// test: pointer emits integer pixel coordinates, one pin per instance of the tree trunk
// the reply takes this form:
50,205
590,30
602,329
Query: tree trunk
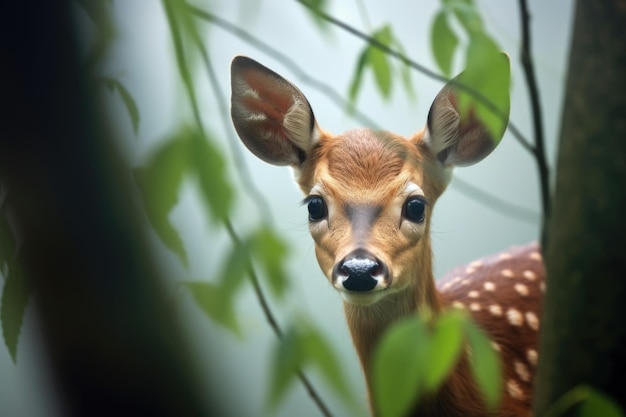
583,336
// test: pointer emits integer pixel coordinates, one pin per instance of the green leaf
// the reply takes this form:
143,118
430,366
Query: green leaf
234,270
14,300
598,404
320,354
444,43
488,74
405,70
468,15
210,168
316,7
213,302
287,360
379,61
271,251
357,78
396,372
382,72
160,181
133,111
590,401
485,365
445,347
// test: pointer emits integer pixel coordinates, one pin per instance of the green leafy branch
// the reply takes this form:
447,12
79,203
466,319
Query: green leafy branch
481,51
262,247
588,401
489,200
416,355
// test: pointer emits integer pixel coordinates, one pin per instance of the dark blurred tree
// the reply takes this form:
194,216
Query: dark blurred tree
112,340
583,337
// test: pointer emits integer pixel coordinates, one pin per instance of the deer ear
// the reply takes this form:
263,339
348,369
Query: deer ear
453,139
271,116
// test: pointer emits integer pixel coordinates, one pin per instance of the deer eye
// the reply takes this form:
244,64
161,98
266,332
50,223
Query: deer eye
415,209
317,208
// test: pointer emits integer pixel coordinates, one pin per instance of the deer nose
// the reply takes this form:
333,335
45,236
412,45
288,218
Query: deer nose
360,271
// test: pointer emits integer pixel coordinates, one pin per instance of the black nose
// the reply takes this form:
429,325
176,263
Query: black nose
360,271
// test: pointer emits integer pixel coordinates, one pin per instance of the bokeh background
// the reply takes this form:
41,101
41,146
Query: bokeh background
466,225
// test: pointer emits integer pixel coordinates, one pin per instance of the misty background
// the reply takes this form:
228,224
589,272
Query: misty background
464,227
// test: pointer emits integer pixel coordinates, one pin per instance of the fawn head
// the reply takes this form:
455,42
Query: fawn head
369,194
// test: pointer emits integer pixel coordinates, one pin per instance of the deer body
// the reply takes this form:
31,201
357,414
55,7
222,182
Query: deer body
370,196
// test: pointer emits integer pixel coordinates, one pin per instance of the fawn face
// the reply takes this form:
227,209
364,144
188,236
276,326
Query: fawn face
369,194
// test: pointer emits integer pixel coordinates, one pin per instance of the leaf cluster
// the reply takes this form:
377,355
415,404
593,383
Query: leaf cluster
416,355
485,82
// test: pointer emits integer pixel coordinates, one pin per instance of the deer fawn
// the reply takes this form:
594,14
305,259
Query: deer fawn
370,196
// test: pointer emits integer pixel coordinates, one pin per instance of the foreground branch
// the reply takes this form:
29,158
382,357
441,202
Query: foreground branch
517,134
533,91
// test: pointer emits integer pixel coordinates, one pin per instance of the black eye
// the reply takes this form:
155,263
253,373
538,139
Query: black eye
317,208
415,209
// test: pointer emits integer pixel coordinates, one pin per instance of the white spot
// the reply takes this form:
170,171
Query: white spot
514,390
466,281
446,285
515,317
476,264
474,307
522,371
505,255
496,346
532,356
469,270
489,286
507,273
521,289
458,304
542,286
456,279
533,321
535,256
529,275
473,294
495,309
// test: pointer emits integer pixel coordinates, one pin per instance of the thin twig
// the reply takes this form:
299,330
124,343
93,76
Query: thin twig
269,316
322,87
242,167
533,91
424,70
271,319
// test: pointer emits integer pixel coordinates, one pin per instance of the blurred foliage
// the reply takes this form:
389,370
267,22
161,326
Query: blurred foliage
378,61
128,100
416,355
485,82
587,401
15,292
303,347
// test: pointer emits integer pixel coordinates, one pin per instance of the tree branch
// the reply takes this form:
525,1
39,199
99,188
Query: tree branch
533,91
256,195
517,134
489,200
